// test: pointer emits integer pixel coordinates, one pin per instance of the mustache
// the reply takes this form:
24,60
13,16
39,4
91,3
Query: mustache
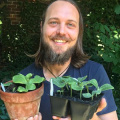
59,37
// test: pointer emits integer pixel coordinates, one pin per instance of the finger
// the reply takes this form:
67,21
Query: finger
68,118
102,105
56,118
36,117
31,118
40,116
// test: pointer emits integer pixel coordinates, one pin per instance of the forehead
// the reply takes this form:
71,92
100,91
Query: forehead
62,9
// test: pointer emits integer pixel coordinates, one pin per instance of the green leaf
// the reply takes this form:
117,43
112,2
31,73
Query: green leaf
77,87
19,79
85,83
107,58
106,87
60,91
116,69
7,84
14,89
28,76
80,79
93,82
59,82
30,87
97,26
0,22
69,80
22,89
96,92
117,9
37,79
106,28
102,28
115,61
87,95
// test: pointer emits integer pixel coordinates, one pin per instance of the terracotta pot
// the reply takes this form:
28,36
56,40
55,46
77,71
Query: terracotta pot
22,105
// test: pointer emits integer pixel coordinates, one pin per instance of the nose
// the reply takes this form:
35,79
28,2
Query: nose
61,29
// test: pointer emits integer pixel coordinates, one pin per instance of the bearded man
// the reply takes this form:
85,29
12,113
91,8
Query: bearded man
60,53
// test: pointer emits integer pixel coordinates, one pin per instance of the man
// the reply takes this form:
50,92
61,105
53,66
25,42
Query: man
60,53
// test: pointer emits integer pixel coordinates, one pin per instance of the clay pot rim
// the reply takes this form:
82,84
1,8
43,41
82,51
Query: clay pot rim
30,92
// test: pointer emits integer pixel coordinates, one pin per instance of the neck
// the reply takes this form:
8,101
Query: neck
52,71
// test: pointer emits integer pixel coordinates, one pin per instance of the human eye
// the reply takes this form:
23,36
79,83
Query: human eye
71,25
53,23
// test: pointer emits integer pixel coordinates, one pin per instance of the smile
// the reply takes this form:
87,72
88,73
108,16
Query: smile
60,41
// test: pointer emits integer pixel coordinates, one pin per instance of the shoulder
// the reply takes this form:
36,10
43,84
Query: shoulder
91,67
90,64
96,71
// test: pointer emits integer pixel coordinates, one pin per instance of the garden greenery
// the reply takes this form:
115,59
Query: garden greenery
0,27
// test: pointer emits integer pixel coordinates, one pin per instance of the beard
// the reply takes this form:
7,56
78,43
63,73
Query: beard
52,57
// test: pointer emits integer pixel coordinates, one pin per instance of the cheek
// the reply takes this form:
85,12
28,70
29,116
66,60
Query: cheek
73,35
48,31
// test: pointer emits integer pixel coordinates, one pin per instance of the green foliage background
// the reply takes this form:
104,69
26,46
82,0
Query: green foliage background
101,39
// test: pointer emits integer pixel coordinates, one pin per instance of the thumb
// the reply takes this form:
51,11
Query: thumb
102,105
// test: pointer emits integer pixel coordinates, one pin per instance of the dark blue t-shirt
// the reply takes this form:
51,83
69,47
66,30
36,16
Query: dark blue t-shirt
92,69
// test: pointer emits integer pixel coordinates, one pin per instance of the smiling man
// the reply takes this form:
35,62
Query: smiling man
60,53
60,32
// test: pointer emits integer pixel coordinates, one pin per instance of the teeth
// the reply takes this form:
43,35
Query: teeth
60,41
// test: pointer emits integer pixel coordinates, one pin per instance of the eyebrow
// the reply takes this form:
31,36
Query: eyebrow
54,18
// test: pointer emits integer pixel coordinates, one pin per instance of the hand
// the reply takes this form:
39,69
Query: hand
102,105
58,118
36,117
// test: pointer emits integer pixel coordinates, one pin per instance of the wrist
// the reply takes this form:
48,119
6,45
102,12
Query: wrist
95,117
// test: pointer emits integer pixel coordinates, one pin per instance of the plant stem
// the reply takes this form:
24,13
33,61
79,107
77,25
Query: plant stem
70,91
92,97
67,87
87,89
80,94
62,93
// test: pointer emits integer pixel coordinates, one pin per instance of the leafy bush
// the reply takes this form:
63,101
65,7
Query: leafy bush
24,37
108,38
3,113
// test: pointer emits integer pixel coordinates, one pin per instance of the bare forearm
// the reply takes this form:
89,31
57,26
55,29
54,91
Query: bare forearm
95,117
108,116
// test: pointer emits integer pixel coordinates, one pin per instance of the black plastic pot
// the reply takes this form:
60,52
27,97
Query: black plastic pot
84,110
59,106
78,109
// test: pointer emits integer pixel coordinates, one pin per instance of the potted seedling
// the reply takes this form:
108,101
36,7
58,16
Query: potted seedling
81,101
22,95
59,102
